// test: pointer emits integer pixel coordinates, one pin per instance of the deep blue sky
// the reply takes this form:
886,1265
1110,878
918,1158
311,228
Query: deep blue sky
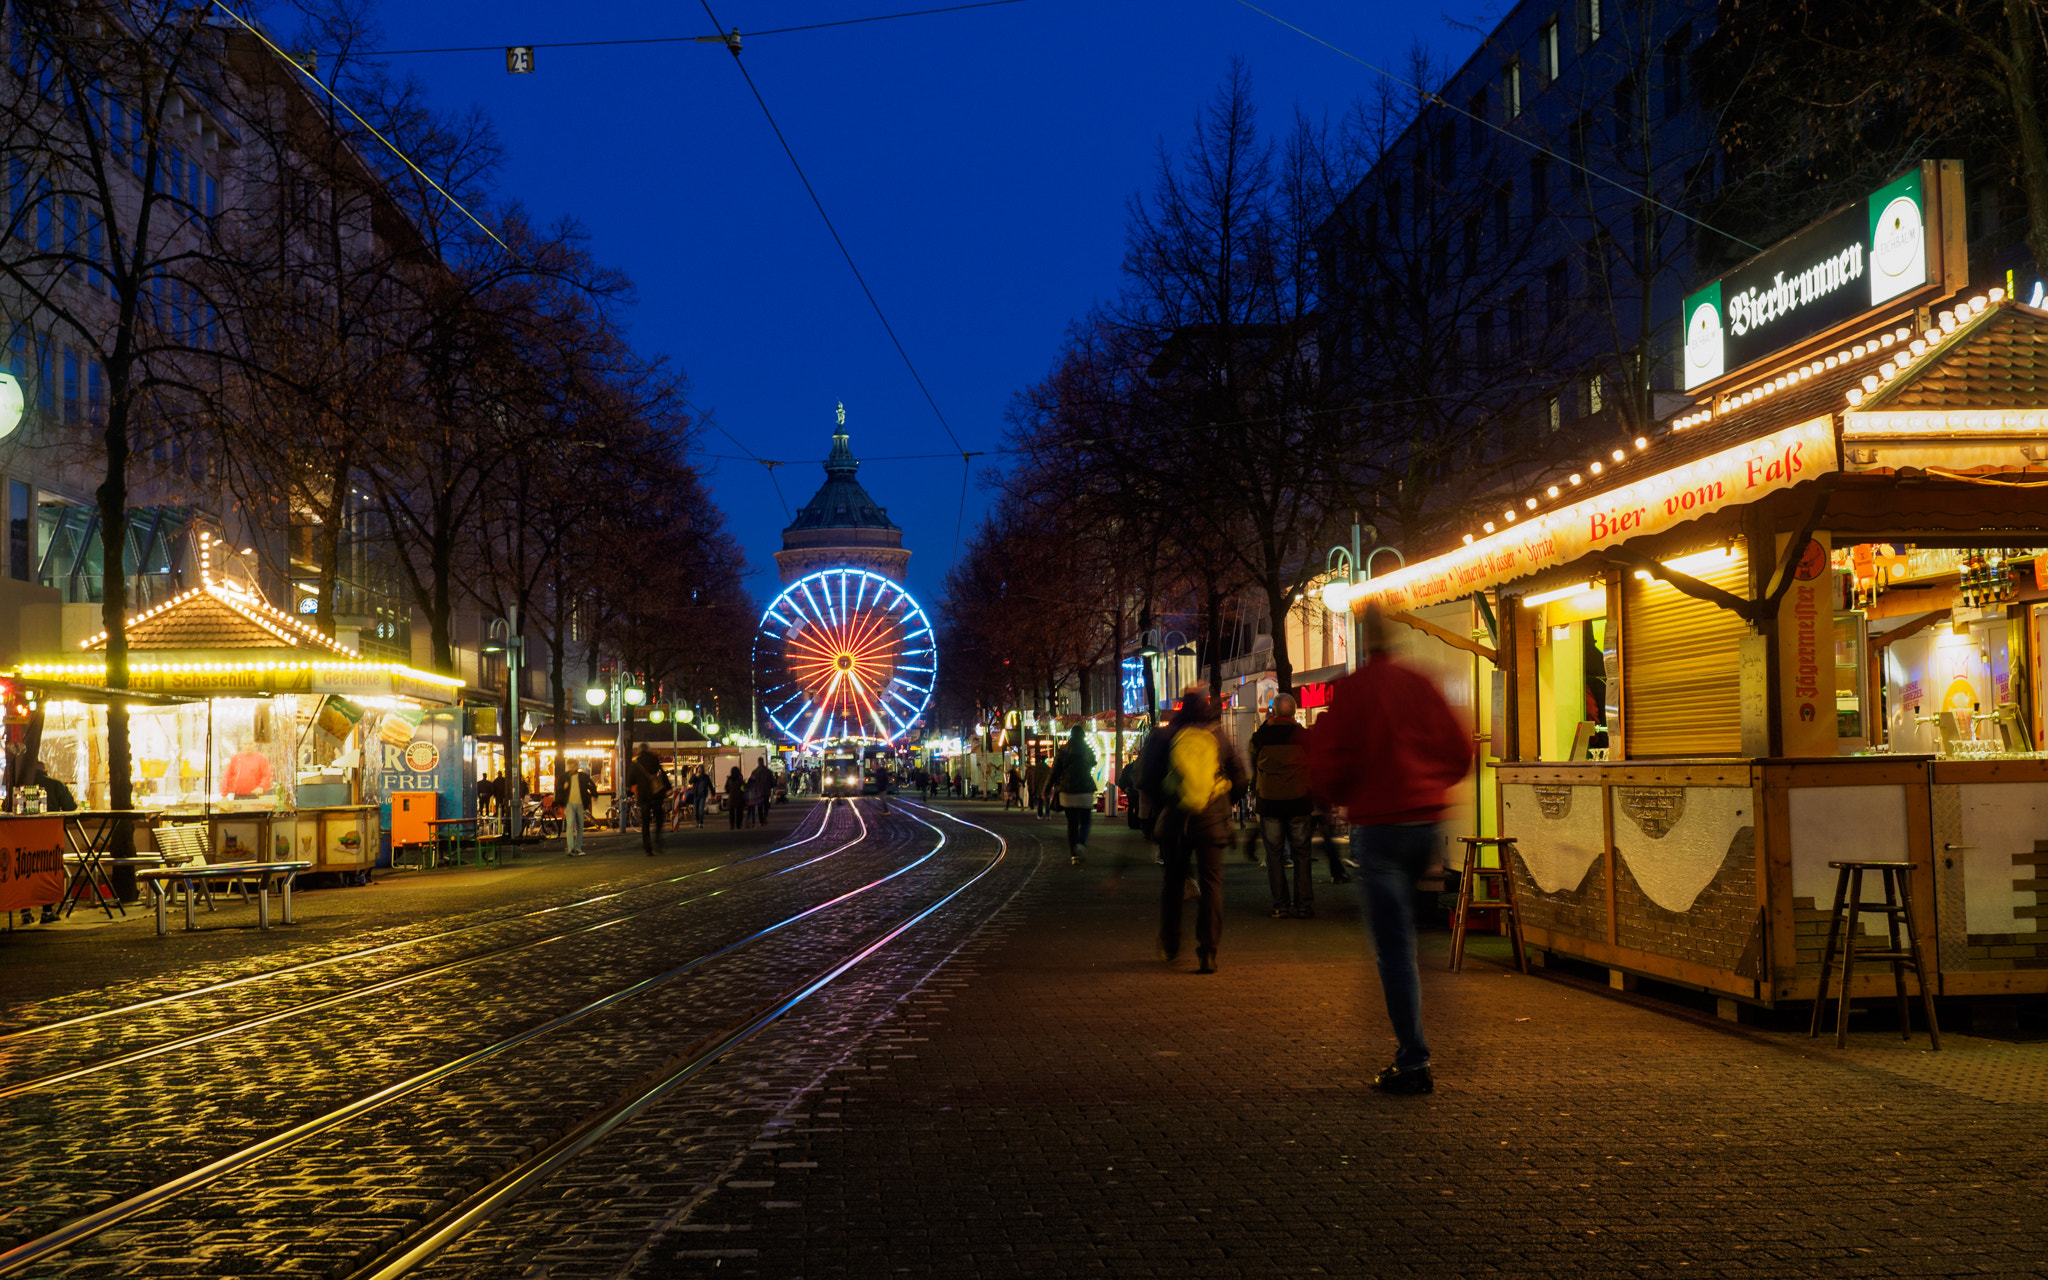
977,164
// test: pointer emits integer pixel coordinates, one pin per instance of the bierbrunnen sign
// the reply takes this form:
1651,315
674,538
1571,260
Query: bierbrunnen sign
1875,252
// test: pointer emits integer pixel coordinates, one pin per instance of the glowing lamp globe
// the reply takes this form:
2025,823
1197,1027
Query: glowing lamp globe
711,728
634,697
686,715
656,716
594,696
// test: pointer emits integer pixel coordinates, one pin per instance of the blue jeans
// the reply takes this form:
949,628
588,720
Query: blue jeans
1390,860
1078,820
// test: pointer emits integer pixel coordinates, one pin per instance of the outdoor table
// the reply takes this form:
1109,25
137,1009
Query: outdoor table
92,847
159,880
453,832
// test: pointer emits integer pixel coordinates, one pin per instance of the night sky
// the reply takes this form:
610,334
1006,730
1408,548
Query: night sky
978,165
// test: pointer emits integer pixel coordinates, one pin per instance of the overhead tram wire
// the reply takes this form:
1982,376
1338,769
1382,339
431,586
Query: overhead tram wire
1439,100
339,101
853,266
744,35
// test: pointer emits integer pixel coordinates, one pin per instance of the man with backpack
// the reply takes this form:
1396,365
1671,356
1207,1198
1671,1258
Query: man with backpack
650,786
1280,780
1202,774
1389,750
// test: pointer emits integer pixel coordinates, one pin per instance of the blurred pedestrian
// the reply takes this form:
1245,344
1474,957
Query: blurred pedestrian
1041,785
760,789
1389,750
650,784
1013,789
1202,776
575,797
1280,777
735,797
1073,779
700,793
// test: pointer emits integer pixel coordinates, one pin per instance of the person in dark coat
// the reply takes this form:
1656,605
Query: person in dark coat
1073,781
735,797
1280,780
650,787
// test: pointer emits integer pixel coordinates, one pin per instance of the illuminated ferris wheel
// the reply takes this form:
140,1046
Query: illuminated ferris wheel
844,653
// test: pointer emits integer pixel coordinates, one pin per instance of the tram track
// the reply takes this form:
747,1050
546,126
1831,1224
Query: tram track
480,1205
77,1231
55,1079
229,984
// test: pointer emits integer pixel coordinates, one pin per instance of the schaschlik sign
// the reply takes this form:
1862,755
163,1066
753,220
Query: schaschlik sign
1857,258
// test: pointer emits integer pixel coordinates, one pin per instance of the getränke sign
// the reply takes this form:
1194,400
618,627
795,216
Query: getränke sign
1732,477
1857,258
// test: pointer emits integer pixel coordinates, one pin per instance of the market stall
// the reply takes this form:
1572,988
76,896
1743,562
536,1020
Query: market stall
284,743
1800,623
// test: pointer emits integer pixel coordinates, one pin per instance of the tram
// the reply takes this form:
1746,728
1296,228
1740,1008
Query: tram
841,773
877,758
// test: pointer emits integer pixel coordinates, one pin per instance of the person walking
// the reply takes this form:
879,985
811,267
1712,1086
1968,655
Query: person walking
577,793
1203,771
1073,778
1041,785
700,793
760,790
735,797
1389,750
884,784
1013,787
1280,778
650,786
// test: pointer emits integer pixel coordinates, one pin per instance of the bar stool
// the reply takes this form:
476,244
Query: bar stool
1897,908
1503,902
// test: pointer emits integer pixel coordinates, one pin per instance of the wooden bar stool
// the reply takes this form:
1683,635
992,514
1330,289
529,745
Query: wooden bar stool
1897,909
1503,902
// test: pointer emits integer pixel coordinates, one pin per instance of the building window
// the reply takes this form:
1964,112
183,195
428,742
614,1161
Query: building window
1511,89
1554,408
1539,186
1589,22
1556,293
1475,123
1547,60
1646,239
45,217
1674,70
1624,115
1439,264
21,517
1503,209
70,386
1484,344
1596,389
1580,127
1472,245
1393,208
1518,322
96,393
1447,149
46,383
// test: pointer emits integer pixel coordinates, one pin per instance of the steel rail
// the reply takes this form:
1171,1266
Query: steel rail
509,1186
72,1233
352,994
266,974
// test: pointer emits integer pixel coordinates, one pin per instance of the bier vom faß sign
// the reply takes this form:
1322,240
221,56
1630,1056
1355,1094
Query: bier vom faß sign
1856,258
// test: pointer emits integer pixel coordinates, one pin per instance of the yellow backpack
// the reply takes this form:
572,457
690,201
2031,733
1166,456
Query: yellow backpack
1192,772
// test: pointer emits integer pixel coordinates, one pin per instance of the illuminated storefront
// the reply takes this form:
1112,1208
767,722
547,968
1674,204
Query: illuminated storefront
1801,622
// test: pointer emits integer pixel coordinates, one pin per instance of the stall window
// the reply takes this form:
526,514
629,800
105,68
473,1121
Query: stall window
1682,660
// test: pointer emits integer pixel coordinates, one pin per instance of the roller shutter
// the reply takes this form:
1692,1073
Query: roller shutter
1680,666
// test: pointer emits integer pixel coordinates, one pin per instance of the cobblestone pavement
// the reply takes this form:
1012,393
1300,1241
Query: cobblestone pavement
1017,1087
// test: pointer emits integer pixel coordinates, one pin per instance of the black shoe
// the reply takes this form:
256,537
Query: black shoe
1413,1080
1206,958
1280,911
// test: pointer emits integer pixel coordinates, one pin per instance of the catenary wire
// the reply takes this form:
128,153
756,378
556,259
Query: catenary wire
1439,100
339,101
744,35
836,239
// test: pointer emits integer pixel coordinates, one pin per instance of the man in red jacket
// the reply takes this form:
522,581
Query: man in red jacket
1388,750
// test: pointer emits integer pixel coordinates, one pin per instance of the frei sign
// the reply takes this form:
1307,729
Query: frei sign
1857,258
1732,477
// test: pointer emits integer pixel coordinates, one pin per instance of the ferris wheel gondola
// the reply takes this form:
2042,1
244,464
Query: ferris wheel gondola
844,653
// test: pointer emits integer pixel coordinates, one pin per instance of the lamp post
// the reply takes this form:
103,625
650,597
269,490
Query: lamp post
504,635
1339,592
621,696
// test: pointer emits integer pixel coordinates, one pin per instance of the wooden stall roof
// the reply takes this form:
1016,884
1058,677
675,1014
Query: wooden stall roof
1996,360
218,615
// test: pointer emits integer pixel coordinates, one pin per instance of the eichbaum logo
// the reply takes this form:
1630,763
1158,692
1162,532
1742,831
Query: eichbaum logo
1898,249
1704,356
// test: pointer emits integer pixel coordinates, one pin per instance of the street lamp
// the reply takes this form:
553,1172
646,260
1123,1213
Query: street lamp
595,696
634,695
1340,591
504,635
656,716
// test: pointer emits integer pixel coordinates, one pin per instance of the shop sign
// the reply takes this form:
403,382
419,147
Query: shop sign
1856,259
31,863
1730,478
